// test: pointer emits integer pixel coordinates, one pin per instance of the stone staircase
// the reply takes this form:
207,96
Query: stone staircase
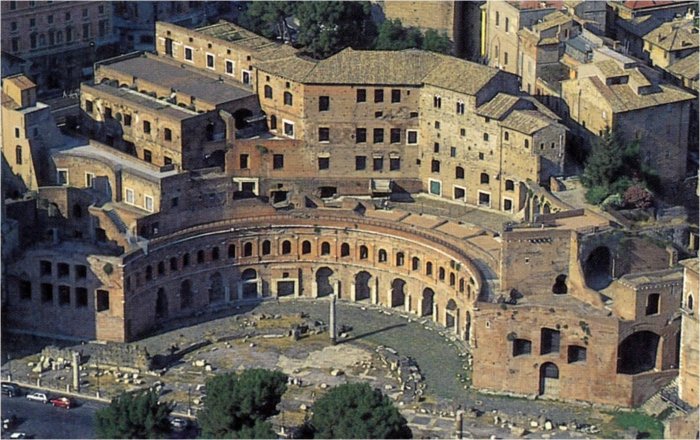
116,220
666,400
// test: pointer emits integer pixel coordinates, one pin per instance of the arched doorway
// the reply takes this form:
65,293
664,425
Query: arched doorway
323,282
426,303
362,290
216,288
597,268
398,296
249,284
549,379
161,304
637,353
451,315
240,117
185,294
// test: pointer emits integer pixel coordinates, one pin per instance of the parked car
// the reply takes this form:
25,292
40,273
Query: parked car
10,390
38,397
18,435
9,422
62,402
178,424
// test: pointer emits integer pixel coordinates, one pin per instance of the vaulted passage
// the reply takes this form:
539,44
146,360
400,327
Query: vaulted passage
249,284
637,353
398,296
451,315
186,294
216,288
362,290
161,304
323,282
426,304
597,268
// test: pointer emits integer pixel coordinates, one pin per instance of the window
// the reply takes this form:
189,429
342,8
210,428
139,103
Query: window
521,347
360,163
411,137
484,199
364,252
46,292
360,135
652,304
80,271
81,297
88,106
382,256
437,125
394,163
68,16
324,103
486,137
441,274
453,152
286,247
268,92
378,135
277,161
378,163
429,268
400,259
306,247
510,185
462,132
289,129
127,120
505,136
437,101
32,22
245,74
378,95
17,132
243,161
395,95
415,263
435,166
168,134
324,134
460,108
210,61
435,187
148,203
459,193
229,68
102,300
147,156
507,205
130,196
266,247
146,127
325,248
18,155
361,95
49,19
484,178
188,53
576,353
549,341
45,267
62,177
459,173
63,270
395,135
324,163
86,31
288,99
248,249
232,251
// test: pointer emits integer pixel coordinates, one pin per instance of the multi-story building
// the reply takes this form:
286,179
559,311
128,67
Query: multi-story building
629,99
672,41
59,39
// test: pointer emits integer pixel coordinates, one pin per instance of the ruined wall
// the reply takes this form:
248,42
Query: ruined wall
690,343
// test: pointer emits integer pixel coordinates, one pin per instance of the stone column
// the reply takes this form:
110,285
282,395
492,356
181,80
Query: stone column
76,371
373,291
331,321
227,292
353,292
407,303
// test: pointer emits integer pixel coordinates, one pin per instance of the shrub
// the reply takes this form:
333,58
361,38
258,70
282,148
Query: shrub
638,197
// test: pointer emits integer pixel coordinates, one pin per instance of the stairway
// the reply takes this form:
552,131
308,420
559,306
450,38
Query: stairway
666,400
116,220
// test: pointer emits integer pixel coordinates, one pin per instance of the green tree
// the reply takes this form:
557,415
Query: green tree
393,36
357,411
134,415
268,18
436,42
326,28
237,405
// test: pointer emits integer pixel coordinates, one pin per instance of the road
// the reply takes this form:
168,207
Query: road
45,421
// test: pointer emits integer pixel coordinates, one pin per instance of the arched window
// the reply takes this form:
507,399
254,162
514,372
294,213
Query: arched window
400,259
186,260
452,279
461,285
428,268
364,252
273,122
232,251
325,248
266,247
248,249
484,178
215,253
382,256
415,263
690,302
286,247
268,92
306,247
459,173
173,263
344,250
288,99
18,155
441,274
510,185
200,256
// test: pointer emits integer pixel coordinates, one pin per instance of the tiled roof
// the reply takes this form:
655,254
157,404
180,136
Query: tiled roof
526,121
556,18
638,26
498,106
21,81
405,67
687,67
622,97
265,49
644,4
675,35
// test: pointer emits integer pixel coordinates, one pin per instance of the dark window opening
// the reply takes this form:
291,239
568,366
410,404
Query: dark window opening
232,251
325,248
45,267
81,297
63,295
653,304
25,290
576,353
248,249
549,341
559,287
200,256
278,161
324,103
360,163
360,135
522,347
306,247
361,95
379,95
46,292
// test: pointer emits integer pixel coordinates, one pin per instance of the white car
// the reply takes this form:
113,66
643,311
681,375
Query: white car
39,397
18,435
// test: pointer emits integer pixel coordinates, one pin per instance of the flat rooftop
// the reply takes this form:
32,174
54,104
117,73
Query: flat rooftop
187,80
163,107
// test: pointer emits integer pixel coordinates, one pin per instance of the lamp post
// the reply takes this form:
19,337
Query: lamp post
189,400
